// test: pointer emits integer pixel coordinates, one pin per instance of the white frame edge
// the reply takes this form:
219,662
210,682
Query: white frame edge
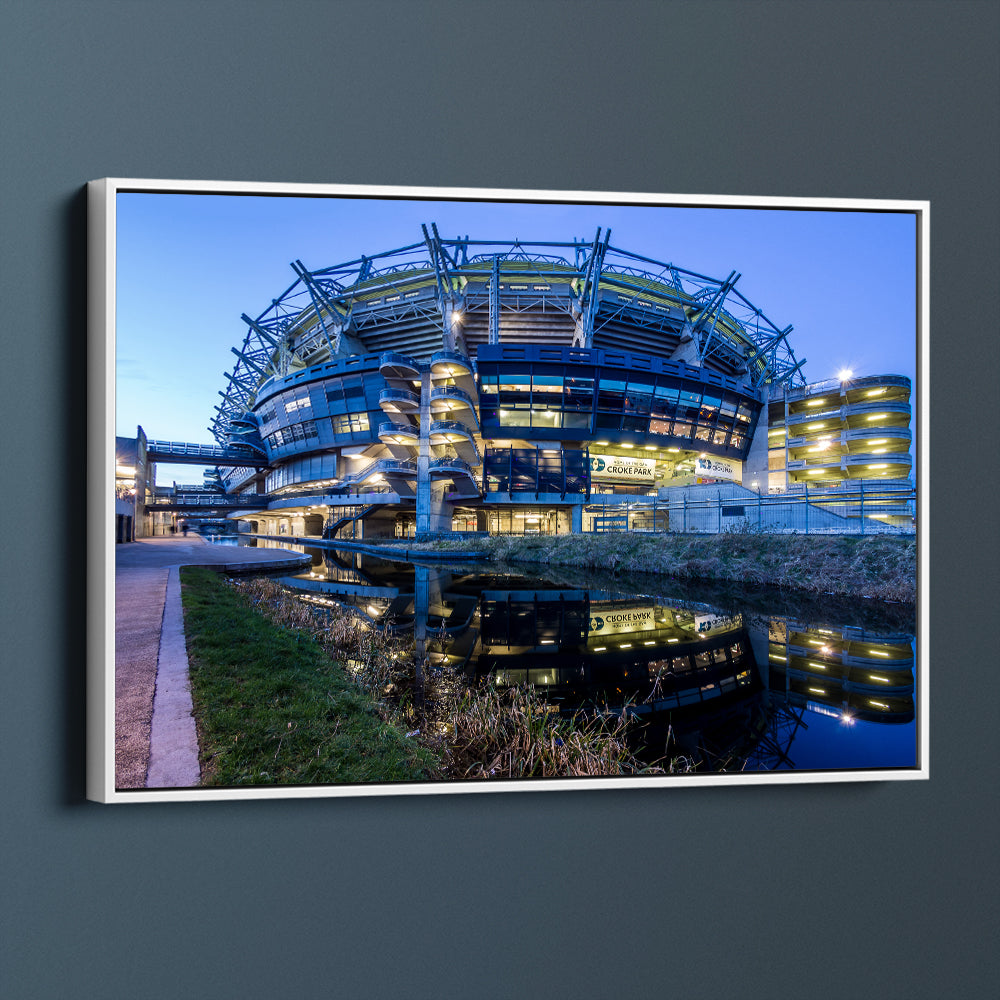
101,244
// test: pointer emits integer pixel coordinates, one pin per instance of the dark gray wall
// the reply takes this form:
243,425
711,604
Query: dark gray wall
879,890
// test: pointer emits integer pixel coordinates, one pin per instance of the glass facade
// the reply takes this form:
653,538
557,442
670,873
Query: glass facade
530,470
330,409
552,402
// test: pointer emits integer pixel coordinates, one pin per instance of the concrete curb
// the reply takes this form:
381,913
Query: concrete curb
173,738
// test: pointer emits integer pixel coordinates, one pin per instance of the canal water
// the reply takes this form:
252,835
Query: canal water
730,680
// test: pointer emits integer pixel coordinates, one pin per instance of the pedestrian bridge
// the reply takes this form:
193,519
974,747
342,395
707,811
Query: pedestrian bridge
187,453
195,499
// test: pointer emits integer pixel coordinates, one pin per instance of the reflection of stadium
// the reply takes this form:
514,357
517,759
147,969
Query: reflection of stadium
734,693
461,385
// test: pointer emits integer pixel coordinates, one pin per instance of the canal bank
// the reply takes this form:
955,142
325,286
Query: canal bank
152,713
878,568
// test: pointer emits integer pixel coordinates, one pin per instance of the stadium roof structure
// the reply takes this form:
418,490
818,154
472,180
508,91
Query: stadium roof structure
587,294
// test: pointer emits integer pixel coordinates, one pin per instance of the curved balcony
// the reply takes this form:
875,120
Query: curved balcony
398,474
450,364
399,401
392,433
451,399
460,473
393,365
451,432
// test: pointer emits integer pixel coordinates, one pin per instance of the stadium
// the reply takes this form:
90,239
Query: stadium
534,387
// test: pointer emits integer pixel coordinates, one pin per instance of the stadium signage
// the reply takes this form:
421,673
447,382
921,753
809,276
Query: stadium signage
718,468
629,620
636,470
706,623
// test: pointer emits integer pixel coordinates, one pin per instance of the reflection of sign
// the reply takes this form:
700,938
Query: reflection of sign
631,620
705,623
718,468
614,467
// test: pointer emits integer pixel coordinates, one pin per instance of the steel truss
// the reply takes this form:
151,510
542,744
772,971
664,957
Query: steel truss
333,308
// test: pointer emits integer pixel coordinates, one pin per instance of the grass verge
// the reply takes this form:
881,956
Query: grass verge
474,731
271,707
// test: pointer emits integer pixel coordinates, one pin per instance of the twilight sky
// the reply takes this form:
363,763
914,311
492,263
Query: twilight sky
189,265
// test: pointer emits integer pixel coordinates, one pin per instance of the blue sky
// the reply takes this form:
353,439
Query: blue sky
189,265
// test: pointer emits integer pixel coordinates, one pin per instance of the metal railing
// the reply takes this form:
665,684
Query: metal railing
390,427
858,511
381,465
208,500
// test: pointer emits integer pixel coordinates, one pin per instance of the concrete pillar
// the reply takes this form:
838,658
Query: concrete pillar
424,458
755,466
576,525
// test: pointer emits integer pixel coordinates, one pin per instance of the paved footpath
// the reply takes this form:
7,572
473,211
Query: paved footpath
155,741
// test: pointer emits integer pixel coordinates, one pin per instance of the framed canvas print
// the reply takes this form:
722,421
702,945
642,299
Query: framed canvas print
411,490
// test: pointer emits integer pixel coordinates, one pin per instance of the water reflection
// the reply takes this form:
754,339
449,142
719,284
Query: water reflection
732,686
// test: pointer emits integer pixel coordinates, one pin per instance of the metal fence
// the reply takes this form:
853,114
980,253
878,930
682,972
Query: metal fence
856,511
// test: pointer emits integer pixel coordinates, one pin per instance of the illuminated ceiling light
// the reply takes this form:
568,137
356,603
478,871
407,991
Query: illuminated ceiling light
818,666
813,427
625,645
548,642
879,451
628,445
673,450
845,374
600,649
650,447
816,402
878,652
878,416
673,640
877,704
883,465
817,691
815,472
456,317
879,678
602,444
875,392
879,441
